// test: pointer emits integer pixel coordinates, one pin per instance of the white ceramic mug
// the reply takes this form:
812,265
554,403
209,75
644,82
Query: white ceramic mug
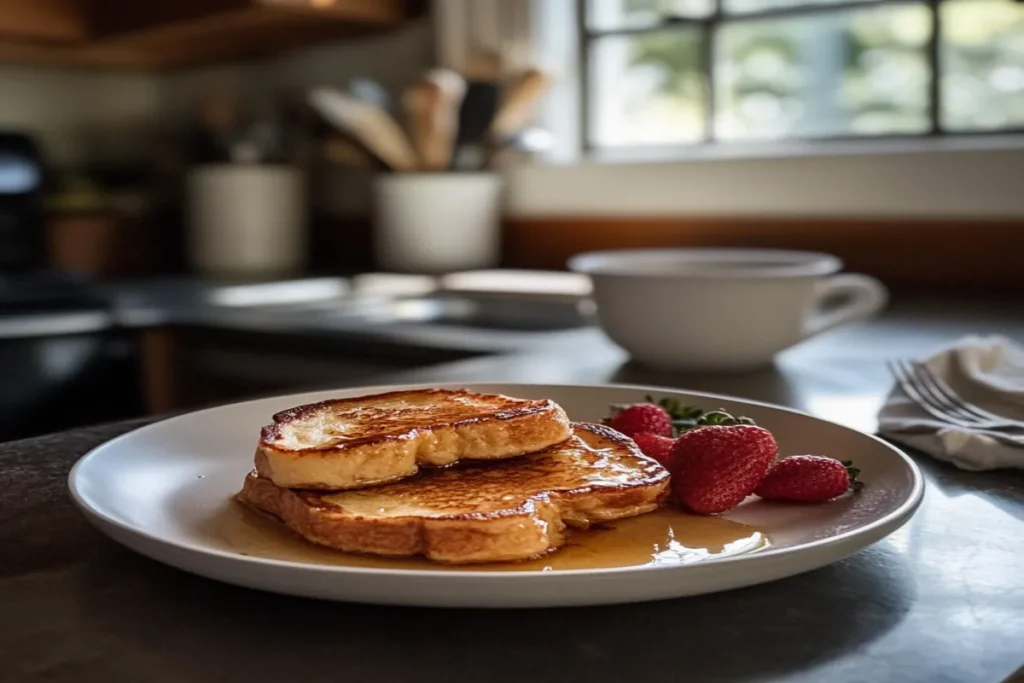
437,222
722,309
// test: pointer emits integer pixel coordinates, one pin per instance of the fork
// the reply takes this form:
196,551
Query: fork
935,397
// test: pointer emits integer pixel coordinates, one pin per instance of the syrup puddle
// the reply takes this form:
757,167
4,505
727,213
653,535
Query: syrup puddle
664,537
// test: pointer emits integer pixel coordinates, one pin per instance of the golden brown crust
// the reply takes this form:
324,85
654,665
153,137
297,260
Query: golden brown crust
438,409
511,510
371,440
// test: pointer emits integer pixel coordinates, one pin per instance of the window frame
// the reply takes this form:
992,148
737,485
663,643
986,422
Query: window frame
708,27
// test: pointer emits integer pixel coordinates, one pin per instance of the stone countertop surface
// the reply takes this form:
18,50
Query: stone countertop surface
942,599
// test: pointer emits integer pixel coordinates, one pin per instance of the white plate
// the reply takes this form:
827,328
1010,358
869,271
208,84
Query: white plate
162,489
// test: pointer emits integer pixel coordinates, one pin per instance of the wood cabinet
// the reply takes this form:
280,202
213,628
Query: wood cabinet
157,34
44,20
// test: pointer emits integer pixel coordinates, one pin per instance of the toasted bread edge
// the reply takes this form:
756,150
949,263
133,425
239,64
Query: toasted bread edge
378,460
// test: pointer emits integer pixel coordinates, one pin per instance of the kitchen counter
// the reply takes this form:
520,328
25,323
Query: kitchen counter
942,599
315,307
305,307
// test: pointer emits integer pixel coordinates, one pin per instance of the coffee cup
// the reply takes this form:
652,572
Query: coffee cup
722,309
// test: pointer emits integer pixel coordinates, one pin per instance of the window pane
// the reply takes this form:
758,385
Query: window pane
862,72
982,64
647,88
612,14
744,6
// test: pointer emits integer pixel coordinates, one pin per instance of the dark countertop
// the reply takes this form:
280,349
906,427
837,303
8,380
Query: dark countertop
315,307
942,599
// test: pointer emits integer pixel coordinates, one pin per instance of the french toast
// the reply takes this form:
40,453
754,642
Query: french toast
511,510
357,442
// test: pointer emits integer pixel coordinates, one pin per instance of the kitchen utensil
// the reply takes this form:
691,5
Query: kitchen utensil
438,154
988,372
421,101
477,111
190,466
367,123
938,399
438,222
432,106
342,150
722,309
517,103
371,92
483,74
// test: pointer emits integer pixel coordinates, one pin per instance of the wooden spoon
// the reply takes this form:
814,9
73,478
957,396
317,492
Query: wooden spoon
432,108
438,154
518,102
369,124
421,100
346,152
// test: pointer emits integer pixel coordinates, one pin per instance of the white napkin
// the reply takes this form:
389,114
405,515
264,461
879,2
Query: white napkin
988,372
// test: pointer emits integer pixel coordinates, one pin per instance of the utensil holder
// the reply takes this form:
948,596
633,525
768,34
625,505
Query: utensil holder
437,222
246,221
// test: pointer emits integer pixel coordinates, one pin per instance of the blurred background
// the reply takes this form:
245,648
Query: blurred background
204,201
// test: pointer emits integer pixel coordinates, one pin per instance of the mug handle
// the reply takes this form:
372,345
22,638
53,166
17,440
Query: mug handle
867,295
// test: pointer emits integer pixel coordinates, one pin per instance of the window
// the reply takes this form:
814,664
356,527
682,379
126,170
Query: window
710,71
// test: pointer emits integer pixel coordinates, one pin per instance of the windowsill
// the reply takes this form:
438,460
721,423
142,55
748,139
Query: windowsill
966,176
790,149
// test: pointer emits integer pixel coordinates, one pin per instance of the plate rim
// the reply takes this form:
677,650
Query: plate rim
895,518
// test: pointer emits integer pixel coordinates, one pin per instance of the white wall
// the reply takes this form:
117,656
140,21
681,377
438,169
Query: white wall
77,114
82,114
393,58
933,182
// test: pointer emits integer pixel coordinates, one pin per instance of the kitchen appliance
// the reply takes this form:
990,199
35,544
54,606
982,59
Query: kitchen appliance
23,180
64,361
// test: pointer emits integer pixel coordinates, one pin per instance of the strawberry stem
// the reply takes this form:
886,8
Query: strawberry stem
855,485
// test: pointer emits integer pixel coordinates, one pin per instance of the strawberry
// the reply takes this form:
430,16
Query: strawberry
808,479
657,447
716,467
641,418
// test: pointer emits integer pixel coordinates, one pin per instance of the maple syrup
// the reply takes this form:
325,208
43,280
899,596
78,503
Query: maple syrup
667,536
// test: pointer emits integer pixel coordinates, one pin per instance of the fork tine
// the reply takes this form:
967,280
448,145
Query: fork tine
965,405
922,395
941,392
908,382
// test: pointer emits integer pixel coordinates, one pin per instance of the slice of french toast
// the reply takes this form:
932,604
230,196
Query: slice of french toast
511,510
357,442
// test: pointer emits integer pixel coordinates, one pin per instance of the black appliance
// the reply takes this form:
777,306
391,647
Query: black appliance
23,184
63,360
